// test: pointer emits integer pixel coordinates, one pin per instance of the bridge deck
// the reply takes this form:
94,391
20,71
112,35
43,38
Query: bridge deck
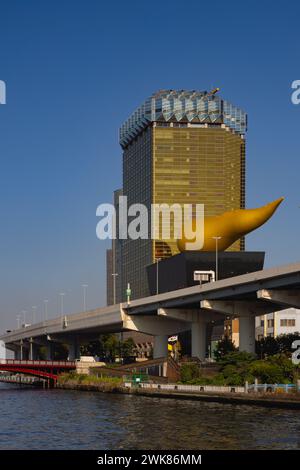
88,325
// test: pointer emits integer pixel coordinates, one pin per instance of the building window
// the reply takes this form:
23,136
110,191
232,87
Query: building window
287,322
271,323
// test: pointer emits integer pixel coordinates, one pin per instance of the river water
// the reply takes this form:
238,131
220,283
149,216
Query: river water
59,419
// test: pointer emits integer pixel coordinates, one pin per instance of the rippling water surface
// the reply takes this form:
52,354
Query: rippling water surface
57,419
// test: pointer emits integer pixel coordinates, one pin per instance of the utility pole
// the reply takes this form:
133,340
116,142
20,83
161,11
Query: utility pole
33,314
84,286
46,309
62,294
217,261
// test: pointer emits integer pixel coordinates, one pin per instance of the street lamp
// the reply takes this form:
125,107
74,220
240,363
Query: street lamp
62,294
46,309
33,314
157,261
114,275
217,270
84,286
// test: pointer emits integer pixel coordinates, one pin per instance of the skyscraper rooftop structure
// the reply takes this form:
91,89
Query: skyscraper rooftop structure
195,107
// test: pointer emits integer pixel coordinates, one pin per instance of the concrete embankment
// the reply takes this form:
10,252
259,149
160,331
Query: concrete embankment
270,401
266,400
92,387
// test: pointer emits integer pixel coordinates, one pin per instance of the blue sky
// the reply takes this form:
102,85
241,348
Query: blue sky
74,71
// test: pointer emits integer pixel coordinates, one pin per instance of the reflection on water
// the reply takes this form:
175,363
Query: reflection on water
56,419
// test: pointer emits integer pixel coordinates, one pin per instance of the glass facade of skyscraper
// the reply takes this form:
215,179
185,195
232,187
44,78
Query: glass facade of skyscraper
180,147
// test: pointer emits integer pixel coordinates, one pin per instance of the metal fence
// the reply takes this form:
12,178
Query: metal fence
188,388
272,388
248,388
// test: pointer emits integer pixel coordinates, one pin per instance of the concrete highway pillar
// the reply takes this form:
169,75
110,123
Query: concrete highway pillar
32,350
74,351
199,339
21,350
247,333
160,346
17,355
49,351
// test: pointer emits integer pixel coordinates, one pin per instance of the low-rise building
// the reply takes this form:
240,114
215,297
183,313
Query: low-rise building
278,323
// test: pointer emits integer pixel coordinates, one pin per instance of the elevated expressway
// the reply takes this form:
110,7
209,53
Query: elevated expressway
195,308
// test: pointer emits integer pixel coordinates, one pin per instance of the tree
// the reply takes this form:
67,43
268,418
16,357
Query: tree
91,349
267,346
127,348
61,352
285,343
270,346
235,367
106,348
224,346
236,357
110,346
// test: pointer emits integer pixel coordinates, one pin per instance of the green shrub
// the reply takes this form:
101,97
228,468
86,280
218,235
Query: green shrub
189,372
238,367
288,369
237,358
74,378
275,369
266,372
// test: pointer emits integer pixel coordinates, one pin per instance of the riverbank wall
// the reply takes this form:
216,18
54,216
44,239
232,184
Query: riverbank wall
287,401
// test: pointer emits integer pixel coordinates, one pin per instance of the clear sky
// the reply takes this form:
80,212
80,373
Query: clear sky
74,71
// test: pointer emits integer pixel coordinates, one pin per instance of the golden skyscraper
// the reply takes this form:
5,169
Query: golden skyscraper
180,147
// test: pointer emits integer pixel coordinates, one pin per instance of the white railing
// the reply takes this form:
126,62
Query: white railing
265,388
18,379
190,388
248,388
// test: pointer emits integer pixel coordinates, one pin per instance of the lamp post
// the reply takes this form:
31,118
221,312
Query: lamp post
24,316
62,294
33,314
157,261
114,276
217,267
84,286
46,309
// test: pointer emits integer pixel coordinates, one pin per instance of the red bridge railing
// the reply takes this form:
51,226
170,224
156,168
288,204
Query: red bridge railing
26,362
45,369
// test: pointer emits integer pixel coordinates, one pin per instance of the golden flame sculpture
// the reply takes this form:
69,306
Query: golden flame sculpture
230,226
